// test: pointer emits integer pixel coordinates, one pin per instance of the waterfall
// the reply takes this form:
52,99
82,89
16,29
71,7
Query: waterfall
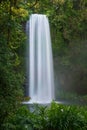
41,77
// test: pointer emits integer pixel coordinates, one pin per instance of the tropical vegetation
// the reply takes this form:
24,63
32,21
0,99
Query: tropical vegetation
68,22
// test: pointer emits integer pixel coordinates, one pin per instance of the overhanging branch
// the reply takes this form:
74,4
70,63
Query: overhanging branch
34,4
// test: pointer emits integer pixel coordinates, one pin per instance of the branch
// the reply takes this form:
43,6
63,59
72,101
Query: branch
8,31
34,4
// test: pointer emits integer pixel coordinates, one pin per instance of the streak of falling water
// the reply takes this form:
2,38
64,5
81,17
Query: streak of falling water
41,77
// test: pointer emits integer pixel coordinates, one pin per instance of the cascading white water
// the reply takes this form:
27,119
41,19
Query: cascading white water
41,78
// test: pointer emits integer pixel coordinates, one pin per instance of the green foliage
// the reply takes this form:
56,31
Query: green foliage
65,117
52,117
12,40
19,121
68,20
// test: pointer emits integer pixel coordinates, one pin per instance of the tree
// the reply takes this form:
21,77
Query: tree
12,42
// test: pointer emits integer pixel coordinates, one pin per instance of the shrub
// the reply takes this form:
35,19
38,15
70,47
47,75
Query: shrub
52,117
